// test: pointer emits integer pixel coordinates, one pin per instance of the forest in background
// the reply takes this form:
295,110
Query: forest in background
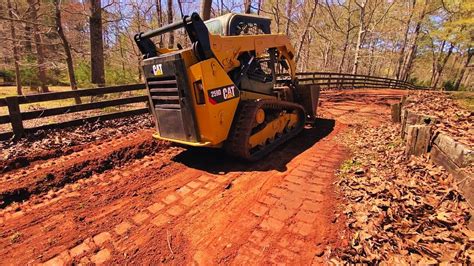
90,43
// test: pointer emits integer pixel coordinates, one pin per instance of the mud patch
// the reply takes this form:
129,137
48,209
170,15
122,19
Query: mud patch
43,181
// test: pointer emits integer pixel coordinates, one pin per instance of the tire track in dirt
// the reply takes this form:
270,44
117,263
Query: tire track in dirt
186,206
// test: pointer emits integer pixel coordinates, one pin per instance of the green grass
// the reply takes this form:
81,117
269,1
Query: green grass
11,90
349,165
464,98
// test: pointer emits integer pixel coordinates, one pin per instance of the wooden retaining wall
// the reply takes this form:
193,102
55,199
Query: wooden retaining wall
417,131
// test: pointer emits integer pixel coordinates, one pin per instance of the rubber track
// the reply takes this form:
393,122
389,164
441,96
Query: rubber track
238,141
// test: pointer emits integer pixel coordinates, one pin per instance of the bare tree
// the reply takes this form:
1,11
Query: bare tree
39,45
206,9
361,31
159,15
170,20
16,55
405,72
247,6
306,29
288,15
405,40
470,53
67,48
97,43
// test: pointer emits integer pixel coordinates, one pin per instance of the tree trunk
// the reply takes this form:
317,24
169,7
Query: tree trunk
16,55
405,73
67,49
405,41
97,44
206,9
159,15
39,46
305,32
247,6
288,14
170,20
470,53
441,67
346,40
361,31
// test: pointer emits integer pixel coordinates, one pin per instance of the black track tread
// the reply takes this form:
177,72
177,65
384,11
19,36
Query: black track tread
237,143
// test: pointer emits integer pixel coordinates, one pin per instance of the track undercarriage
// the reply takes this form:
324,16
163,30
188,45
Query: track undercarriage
262,125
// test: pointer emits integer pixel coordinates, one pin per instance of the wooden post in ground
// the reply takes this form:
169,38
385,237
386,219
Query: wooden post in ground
15,116
417,140
396,113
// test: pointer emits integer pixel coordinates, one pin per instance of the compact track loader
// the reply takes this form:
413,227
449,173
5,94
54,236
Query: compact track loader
234,87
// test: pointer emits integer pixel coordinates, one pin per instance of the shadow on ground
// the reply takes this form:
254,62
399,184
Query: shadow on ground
218,162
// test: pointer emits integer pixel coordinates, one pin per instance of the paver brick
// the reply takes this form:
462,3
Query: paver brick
204,178
170,199
101,256
161,220
302,228
306,216
277,192
140,217
299,173
79,249
189,200
281,213
222,179
183,190
310,206
211,185
271,224
62,259
175,210
257,236
305,168
293,187
122,228
258,209
268,200
201,192
295,179
193,184
291,200
101,238
156,207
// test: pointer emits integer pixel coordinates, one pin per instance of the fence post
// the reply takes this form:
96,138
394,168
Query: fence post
329,81
15,116
353,81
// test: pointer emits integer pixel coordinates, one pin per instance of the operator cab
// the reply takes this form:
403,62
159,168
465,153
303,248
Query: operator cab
260,76
233,24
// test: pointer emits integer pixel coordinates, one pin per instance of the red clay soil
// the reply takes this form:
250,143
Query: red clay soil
154,203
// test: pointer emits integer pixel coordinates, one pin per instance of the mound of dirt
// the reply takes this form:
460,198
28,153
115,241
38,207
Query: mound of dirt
47,144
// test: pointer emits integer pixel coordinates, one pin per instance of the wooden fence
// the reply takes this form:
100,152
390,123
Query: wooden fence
16,117
328,80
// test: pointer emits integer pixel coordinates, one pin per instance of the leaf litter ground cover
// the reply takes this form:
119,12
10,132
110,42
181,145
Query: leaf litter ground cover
400,210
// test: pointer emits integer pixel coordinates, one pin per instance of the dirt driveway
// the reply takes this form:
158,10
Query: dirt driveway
137,200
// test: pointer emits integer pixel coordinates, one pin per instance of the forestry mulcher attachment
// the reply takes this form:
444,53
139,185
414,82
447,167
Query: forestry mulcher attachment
234,88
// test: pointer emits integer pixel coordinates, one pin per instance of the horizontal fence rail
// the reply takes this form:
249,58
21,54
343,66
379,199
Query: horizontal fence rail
15,117
328,80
